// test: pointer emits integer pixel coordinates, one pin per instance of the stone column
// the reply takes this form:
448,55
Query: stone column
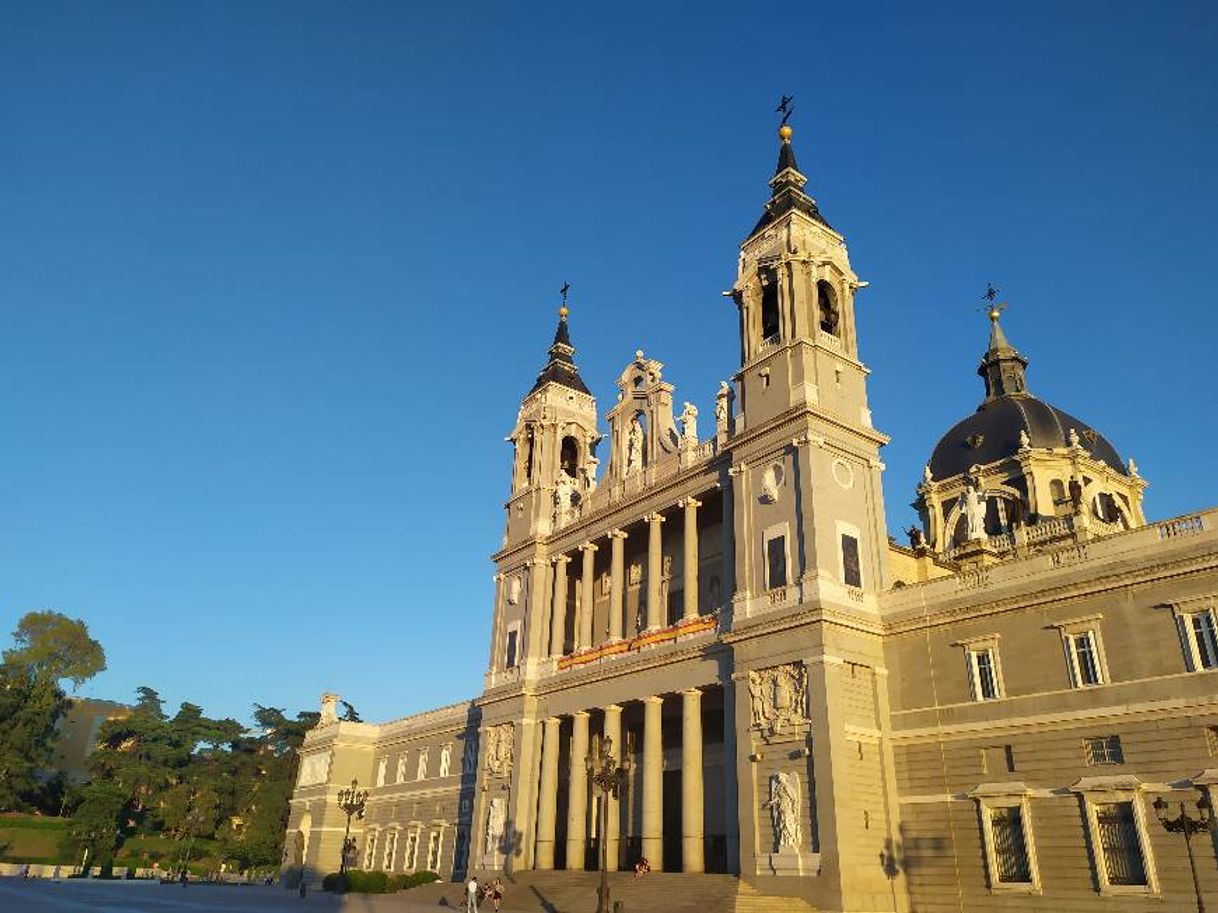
691,557
577,794
617,583
655,567
548,800
731,811
558,615
587,598
691,782
613,730
653,783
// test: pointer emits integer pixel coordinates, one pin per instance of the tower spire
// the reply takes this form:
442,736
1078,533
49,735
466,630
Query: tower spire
1002,367
787,184
561,368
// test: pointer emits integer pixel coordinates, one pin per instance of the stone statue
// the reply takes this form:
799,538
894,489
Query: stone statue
779,697
499,750
590,466
1024,441
634,446
329,709
926,476
1072,437
723,408
917,539
496,815
564,496
689,426
973,507
784,810
1133,469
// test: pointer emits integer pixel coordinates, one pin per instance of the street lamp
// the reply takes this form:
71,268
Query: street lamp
352,800
607,776
1184,824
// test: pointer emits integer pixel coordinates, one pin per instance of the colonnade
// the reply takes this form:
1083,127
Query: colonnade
656,609
649,775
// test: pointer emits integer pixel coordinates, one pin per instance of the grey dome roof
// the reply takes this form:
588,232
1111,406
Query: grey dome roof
992,433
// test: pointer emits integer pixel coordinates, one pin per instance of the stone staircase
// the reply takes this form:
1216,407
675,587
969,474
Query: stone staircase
658,892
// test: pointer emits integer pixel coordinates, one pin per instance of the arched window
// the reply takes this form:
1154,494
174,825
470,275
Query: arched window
830,316
568,457
769,304
1057,491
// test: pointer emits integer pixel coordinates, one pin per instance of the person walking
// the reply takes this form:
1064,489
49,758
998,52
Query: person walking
471,895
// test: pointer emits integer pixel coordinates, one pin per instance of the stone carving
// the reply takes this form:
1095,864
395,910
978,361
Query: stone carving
973,507
499,750
590,466
1133,469
634,446
689,427
329,709
779,697
784,811
635,574
513,594
1024,441
496,816
723,408
771,482
1072,437
564,499
926,476
315,768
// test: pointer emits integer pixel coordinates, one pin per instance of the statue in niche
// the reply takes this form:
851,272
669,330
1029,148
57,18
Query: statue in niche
689,426
564,498
973,507
496,815
723,408
590,473
499,750
634,446
783,804
513,593
779,697
635,574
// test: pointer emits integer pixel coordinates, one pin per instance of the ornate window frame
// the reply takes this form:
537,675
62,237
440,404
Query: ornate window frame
1184,612
370,847
1012,794
1072,628
773,532
391,848
972,647
1096,791
849,529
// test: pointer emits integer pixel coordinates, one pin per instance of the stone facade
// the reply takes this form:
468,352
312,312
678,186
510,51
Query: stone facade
979,720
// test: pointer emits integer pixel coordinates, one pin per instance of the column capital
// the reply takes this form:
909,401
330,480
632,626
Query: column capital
654,517
653,699
617,534
692,692
579,713
689,503
561,559
589,546
552,721
612,708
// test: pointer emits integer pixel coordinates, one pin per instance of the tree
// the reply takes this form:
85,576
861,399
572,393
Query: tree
149,703
54,646
96,827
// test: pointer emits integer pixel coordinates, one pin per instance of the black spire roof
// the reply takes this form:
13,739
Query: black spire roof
787,184
561,368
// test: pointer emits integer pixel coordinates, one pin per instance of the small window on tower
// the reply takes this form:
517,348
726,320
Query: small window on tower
776,562
769,305
830,317
851,571
569,456
509,661
528,457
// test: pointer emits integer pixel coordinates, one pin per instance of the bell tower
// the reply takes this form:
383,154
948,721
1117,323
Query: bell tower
554,463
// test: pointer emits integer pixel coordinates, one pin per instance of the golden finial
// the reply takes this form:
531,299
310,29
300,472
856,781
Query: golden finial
564,311
994,306
785,132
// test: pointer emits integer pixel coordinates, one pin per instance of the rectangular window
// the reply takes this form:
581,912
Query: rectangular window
421,772
381,767
776,562
369,852
509,661
1084,659
412,850
1104,749
433,851
983,674
852,574
1120,847
1205,639
391,846
1011,864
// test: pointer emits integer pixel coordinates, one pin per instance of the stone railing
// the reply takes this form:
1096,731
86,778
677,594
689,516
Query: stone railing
1045,530
828,340
769,342
1181,526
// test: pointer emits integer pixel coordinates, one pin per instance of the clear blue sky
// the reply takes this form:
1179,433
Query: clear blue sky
274,277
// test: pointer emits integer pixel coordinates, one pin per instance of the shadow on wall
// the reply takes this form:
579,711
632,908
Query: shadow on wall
465,798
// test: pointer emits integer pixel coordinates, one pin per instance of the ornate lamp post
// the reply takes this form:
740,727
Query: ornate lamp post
352,800
606,776
1185,824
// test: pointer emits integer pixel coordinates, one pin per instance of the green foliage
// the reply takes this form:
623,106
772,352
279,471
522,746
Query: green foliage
336,882
56,647
97,825
415,879
359,882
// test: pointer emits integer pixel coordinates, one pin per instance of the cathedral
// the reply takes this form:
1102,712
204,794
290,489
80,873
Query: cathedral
708,658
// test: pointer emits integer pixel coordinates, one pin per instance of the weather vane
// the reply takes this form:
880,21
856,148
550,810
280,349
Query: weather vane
785,108
993,306
566,287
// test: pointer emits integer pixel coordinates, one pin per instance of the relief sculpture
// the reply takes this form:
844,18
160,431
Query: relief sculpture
499,750
779,697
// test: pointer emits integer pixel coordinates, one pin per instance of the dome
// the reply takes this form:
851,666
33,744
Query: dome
992,433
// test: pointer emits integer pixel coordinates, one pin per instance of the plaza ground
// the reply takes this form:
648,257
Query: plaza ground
78,896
